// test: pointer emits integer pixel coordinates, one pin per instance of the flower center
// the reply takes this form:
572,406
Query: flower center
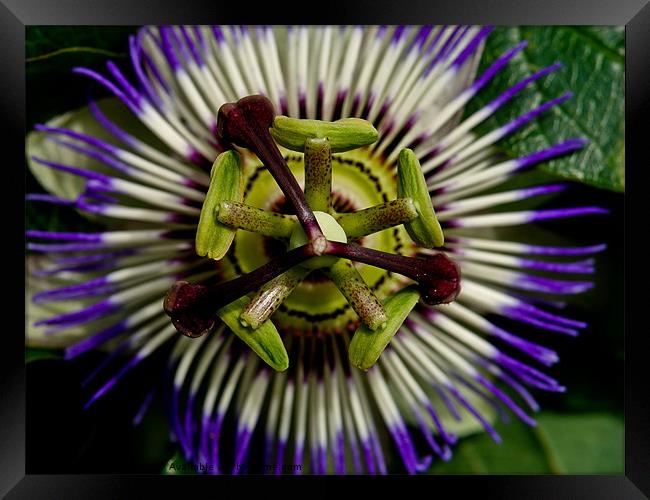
318,239
332,231
316,306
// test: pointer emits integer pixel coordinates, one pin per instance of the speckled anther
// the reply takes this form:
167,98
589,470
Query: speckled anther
374,219
318,174
271,295
242,216
364,302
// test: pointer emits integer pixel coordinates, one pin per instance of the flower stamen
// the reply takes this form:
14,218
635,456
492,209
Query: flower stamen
437,275
192,307
251,123
246,123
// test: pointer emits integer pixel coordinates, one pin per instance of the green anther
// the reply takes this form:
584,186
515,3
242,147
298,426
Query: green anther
425,230
226,184
377,218
318,174
265,302
256,220
332,231
364,302
344,135
366,346
264,340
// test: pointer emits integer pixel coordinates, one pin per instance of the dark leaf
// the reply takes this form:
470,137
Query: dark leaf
593,59
52,51
566,443
35,354
589,443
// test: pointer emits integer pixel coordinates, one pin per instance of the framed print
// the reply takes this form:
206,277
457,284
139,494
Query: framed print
378,243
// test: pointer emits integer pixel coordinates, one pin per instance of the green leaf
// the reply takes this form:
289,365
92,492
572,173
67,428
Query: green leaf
560,444
593,69
590,443
34,354
519,453
45,41
52,51
226,184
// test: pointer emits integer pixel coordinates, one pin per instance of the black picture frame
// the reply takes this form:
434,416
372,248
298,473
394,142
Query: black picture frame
16,14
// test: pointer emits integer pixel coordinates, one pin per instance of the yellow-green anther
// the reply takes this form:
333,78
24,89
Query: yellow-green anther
265,302
256,220
318,174
213,239
377,218
359,295
344,135
264,340
367,345
425,230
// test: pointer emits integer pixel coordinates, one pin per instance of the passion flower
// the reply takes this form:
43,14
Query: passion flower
367,120
247,122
